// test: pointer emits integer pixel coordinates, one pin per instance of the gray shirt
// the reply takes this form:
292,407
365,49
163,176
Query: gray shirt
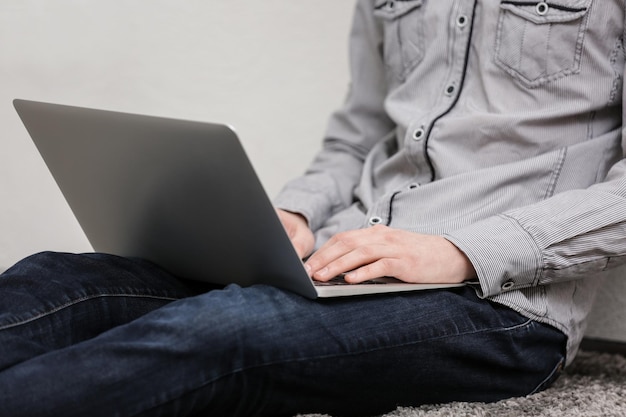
497,124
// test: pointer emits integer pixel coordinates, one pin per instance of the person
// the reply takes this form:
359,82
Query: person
480,142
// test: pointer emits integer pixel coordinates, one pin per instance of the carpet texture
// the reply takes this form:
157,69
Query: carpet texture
593,385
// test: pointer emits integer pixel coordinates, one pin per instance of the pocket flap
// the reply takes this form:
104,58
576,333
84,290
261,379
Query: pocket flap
555,11
392,9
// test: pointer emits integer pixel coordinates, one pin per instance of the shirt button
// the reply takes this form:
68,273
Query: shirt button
373,221
508,285
418,134
542,8
461,21
413,186
450,90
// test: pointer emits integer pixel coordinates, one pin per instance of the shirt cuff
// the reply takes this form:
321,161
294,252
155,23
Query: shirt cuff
503,254
297,197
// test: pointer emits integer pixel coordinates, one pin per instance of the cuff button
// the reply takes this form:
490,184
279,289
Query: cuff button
508,285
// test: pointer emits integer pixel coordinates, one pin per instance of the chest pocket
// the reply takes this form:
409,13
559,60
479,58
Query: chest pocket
538,42
403,46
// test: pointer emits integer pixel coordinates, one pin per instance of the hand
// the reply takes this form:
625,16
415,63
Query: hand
380,251
298,231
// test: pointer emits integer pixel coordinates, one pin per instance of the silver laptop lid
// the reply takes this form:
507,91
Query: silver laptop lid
181,194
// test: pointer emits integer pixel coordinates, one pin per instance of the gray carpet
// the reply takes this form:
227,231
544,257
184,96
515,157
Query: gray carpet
593,385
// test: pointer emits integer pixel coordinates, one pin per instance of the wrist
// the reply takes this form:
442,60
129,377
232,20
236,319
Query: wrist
462,266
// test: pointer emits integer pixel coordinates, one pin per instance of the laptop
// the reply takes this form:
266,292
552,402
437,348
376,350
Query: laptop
181,194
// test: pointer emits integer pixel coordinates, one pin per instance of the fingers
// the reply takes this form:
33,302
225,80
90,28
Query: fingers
380,268
349,252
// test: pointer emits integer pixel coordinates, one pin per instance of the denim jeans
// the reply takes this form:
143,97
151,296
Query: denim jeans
98,335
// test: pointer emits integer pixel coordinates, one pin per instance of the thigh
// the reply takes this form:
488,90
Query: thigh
52,300
368,355
263,351
425,348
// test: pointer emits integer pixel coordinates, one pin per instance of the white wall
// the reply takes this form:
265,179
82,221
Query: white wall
274,69
608,318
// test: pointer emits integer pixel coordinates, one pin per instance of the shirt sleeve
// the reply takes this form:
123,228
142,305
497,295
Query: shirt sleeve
328,184
571,235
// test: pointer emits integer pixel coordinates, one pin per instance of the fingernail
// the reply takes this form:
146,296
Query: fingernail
322,272
307,268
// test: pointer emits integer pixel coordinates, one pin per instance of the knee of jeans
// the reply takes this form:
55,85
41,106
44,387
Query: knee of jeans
58,264
61,275
44,273
35,262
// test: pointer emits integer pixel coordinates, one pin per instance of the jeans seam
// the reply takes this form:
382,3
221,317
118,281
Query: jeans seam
361,352
80,300
552,376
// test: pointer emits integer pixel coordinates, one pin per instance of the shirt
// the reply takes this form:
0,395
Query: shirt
497,124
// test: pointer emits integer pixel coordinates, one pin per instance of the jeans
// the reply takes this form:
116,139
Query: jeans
98,335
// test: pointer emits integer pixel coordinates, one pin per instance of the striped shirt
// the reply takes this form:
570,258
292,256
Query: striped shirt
496,124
